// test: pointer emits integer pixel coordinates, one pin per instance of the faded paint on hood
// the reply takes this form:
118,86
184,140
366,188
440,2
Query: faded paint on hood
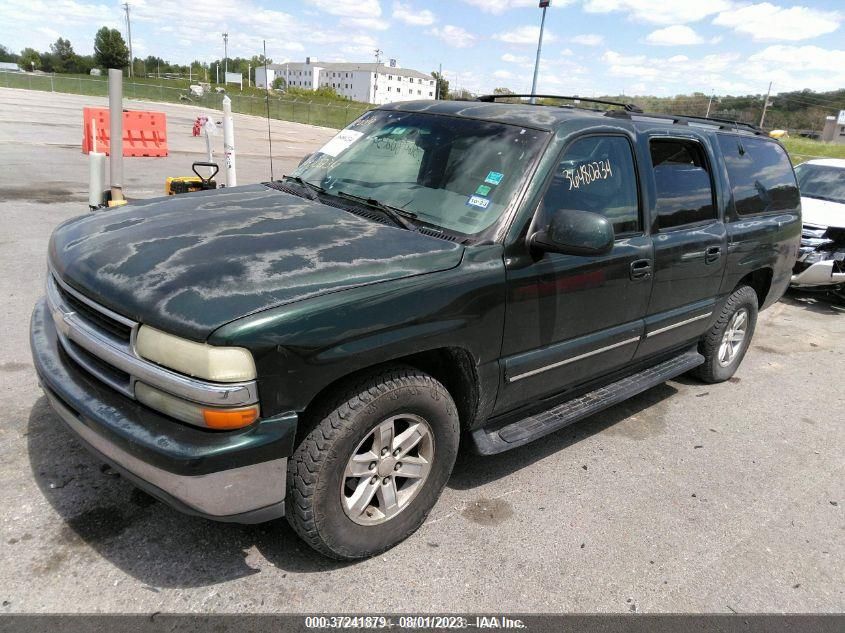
190,264
822,212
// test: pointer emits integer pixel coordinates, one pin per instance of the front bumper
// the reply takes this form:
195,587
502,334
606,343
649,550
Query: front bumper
234,476
819,274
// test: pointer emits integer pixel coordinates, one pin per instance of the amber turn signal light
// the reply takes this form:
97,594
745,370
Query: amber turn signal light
223,420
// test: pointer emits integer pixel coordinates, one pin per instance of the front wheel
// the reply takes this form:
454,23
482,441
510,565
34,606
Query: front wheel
724,346
366,477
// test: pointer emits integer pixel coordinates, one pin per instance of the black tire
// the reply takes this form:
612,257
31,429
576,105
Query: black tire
315,476
715,369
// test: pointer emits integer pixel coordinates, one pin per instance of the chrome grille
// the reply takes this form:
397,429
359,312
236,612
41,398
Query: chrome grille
102,343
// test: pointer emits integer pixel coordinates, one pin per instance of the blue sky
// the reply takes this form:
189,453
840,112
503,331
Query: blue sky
661,47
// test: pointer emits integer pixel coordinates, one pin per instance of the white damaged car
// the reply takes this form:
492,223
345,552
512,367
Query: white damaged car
821,257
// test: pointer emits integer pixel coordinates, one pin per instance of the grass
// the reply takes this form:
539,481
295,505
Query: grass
803,149
323,110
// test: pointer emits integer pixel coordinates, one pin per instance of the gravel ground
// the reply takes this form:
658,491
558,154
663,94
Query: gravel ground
687,498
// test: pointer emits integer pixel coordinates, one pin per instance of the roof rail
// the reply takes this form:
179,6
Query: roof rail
683,119
628,107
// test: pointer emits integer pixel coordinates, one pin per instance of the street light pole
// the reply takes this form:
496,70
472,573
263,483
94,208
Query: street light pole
544,4
378,53
225,56
129,36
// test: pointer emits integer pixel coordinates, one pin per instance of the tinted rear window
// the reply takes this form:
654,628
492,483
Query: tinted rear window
682,178
760,174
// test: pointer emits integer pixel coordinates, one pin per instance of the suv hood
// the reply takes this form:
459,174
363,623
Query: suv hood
822,212
192,263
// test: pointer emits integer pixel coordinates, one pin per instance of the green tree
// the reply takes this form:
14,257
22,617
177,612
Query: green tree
63,56
6,55
504,92
30,59
110,50
442,91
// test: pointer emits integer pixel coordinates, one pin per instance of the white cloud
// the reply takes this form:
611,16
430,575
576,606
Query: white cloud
406,13
660,11
524,35
515,59
792,67
676,35
455,36
710,71
498,7
350,8
802,57
503,74
588,39
765,21
367,24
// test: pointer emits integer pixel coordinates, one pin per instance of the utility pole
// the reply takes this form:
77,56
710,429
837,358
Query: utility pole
129,37
544,4
378,53
766,104
709,103
439,79
225,56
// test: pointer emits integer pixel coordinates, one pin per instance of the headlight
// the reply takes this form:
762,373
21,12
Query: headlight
199,415
219,364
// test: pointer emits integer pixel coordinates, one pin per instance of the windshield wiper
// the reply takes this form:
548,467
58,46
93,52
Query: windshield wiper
399,216
315,189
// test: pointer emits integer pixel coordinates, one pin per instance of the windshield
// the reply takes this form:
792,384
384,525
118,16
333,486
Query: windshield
454,173
821,181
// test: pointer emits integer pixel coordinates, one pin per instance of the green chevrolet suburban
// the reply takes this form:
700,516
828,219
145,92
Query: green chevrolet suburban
438,275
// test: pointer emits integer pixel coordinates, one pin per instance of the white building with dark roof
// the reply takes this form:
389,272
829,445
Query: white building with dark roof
366,82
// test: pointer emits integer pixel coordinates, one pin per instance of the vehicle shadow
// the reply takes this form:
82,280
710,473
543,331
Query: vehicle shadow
818,302
473,470
142,536
163,548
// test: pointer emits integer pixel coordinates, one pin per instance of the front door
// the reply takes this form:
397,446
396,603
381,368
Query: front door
572,318
689,244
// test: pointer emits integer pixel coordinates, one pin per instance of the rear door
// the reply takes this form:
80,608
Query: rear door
690,243
572,318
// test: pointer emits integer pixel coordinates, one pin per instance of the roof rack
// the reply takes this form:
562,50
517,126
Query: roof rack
722,124
627,107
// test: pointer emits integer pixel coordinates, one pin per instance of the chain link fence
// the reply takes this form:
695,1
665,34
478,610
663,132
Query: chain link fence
297,110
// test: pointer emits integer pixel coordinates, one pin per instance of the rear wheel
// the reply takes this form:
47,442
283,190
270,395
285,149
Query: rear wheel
725,345
368,474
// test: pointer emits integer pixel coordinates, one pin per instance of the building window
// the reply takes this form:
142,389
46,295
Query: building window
388,88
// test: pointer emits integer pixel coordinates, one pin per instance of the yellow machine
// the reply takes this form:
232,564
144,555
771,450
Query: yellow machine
188,184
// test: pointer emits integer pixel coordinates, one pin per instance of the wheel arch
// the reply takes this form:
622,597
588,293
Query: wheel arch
760,281
454,367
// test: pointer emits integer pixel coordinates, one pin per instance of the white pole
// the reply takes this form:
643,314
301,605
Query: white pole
96,171
116,133
229,143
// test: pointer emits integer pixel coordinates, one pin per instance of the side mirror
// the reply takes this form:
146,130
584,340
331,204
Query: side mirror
575,233
304,158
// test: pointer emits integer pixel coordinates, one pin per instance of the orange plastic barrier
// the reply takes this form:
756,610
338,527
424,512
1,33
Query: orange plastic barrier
144,133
